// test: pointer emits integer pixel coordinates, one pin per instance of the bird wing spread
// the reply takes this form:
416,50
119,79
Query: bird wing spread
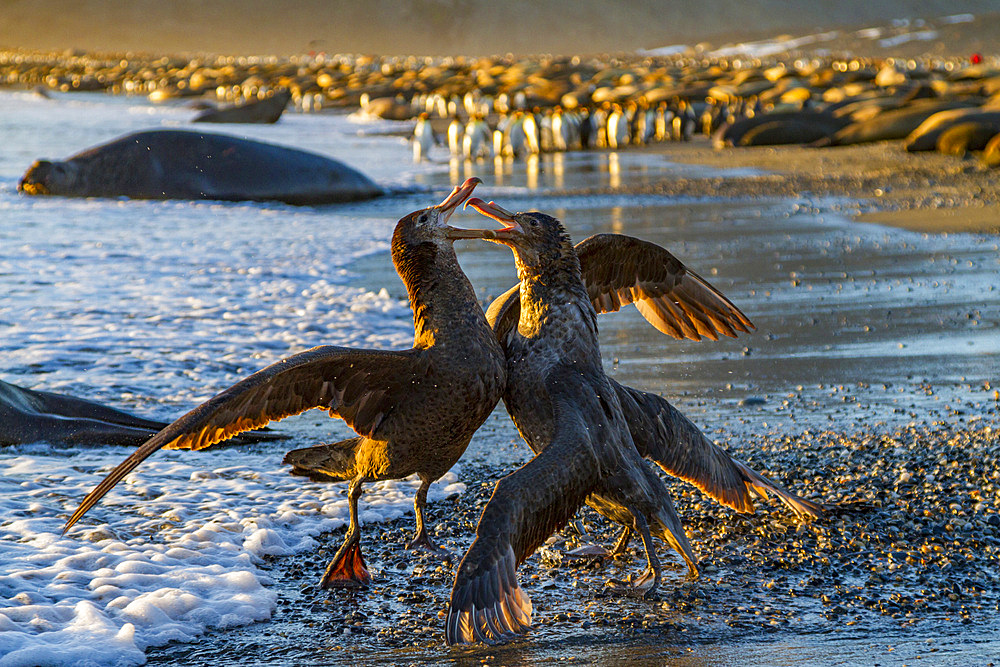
661,433
357,385
619,269
527,506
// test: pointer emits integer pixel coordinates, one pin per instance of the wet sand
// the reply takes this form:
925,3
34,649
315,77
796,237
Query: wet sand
877,182
902,443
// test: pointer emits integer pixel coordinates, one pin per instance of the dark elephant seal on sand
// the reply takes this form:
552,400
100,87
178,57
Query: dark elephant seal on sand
29,416
991,153
822,123
961,138
266,110
179,164
892,124
926,136
40,416
782,132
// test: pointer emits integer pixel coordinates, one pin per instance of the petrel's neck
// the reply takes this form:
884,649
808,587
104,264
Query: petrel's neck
551,290
443,301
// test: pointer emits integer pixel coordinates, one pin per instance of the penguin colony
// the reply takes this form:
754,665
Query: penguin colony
511,107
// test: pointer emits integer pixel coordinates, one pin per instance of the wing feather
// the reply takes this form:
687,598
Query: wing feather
661,433
504,312
527,506
356,385
619,269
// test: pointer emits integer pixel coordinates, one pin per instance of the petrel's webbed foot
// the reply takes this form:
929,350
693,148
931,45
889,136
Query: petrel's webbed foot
347,569
423,541
643,586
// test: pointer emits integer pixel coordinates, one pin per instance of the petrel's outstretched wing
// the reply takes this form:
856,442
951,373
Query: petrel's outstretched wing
527,506
661,433
618,270
359,386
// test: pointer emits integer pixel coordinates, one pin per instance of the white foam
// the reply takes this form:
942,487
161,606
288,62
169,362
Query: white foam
672,50
173,551
958,18
922,35
869,33
770,47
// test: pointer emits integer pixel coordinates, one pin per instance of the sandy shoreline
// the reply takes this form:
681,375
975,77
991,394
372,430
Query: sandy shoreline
877,182
903,567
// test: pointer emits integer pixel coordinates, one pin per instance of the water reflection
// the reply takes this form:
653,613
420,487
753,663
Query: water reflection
617,220
498,170
557,171
614,171
531,169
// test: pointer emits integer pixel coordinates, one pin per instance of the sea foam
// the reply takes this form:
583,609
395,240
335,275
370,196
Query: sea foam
173,552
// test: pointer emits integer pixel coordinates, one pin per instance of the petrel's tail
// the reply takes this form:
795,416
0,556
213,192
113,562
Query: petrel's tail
334,462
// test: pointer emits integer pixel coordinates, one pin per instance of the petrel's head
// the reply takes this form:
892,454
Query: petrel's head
535,238
431,224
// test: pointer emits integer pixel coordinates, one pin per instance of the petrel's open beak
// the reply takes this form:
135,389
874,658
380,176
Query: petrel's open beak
457,196
450,205
492,210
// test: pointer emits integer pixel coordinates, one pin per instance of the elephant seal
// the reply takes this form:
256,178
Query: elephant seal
991,154
925,137
961,138
783,132
39,416
731,134
29,416
892,124
179,164
263,111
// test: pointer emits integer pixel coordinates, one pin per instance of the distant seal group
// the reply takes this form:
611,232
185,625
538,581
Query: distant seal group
511,107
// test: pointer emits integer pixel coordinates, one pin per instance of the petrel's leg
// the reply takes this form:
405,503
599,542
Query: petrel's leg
642,585
348,569
622,543
421,540
646,583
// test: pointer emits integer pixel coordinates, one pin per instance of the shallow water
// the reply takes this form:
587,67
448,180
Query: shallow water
155,306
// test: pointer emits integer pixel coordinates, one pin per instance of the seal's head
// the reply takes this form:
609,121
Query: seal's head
46,178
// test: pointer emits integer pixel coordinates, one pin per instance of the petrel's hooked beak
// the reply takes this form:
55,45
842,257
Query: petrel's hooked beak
457,196
450,205
492,210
